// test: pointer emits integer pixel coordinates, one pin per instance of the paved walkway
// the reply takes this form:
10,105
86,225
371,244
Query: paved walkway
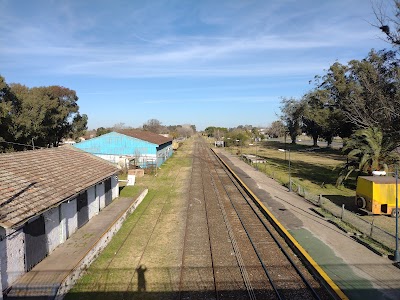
360,273
45,279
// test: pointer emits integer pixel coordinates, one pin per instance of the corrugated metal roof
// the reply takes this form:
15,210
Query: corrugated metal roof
33,181
146,136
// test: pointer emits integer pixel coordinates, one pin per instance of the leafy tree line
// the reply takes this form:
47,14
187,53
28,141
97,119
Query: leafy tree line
38,116
239,136
358,101
185,130
155,126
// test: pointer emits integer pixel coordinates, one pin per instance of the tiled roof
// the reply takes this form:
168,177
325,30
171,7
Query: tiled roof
146,136
33,181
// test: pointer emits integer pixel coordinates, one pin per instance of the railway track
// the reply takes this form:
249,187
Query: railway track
230,249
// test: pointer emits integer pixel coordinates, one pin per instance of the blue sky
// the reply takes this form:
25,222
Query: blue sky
219,63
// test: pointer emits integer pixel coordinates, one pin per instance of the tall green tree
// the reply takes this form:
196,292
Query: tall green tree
368,150
292,112
101,130
79,126
9,107
320,117
277,129
62,108
42,116
28,127
366,92
238,137
333,89
314,116
216,132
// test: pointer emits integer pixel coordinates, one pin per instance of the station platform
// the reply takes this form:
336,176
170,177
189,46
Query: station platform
359,272
56,274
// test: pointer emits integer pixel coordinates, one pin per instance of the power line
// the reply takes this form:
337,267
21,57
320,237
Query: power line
19,144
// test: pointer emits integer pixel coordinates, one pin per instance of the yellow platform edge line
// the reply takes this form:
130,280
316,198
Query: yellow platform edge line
305,254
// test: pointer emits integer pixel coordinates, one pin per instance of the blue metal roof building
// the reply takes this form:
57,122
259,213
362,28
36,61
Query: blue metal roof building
143,147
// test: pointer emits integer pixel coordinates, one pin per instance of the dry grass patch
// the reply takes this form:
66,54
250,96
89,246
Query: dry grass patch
152,236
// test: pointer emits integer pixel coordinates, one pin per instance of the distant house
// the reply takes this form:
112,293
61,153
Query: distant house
68,142
142,148
45,196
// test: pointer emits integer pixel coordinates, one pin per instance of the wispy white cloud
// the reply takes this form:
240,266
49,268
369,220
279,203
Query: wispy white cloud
172,53
199,57
240,44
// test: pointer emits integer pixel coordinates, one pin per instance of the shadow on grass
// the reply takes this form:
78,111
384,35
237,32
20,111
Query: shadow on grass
120,189
339,200
317,174
318,151
129,191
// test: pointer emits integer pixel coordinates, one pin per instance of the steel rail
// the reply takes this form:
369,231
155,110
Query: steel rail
251,240
185,234
306,282
238,256
208,230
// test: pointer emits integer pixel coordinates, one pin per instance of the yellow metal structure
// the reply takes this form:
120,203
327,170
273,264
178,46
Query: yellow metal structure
376,194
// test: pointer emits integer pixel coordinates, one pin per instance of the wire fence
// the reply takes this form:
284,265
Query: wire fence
367,228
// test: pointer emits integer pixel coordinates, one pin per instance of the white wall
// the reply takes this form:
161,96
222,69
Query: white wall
114,186
52,221
3,264
60,223
1,285
110,158
92,203
69,219
12,253
100,194
77,272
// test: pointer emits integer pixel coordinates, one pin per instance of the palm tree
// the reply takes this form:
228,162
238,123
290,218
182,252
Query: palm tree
368,150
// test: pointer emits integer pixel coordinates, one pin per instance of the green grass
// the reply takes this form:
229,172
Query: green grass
129,191
313,170
98,278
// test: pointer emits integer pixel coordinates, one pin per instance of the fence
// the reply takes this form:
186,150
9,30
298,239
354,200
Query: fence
367,228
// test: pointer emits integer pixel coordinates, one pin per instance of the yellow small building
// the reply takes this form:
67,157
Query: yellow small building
376,194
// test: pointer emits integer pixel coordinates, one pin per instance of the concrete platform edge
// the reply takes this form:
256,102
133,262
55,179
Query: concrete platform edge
336,292
70,280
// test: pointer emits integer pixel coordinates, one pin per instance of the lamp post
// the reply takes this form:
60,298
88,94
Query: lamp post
285,144
396,255
290,178
396,252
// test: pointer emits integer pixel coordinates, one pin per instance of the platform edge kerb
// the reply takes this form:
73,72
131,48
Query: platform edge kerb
338,293
113,228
